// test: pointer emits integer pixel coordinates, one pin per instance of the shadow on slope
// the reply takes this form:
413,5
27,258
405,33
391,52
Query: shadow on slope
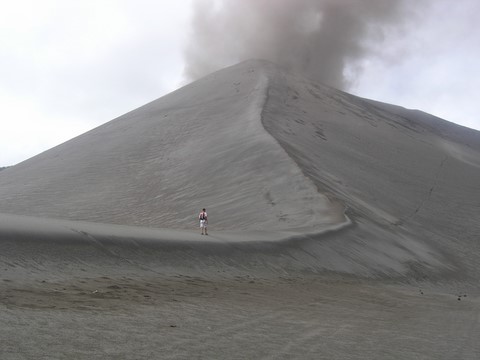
401,174
35,248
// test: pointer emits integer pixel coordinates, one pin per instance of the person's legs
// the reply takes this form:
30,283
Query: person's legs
206,229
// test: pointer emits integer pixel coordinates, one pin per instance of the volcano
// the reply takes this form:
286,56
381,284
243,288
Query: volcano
297,177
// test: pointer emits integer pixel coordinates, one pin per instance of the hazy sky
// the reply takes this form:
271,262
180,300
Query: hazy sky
68,66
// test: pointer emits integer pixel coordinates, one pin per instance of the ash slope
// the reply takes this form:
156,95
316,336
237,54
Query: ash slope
265,149
201,146
407,177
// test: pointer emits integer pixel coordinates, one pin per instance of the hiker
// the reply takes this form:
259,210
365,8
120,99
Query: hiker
203,221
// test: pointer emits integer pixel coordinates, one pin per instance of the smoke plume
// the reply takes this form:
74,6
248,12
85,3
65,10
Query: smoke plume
328,40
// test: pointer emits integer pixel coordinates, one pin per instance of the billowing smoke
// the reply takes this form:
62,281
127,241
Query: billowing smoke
328,40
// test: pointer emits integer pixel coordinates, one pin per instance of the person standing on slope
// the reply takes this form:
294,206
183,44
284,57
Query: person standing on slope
203,221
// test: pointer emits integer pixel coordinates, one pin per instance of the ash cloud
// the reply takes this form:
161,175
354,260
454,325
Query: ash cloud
327,40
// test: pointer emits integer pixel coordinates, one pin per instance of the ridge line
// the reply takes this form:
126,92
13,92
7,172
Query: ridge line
329,228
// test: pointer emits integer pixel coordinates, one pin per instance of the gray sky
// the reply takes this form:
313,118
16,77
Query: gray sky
68,66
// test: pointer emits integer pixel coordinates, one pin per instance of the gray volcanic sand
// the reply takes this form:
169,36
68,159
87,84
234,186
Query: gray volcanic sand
72,290
240,318
340,228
